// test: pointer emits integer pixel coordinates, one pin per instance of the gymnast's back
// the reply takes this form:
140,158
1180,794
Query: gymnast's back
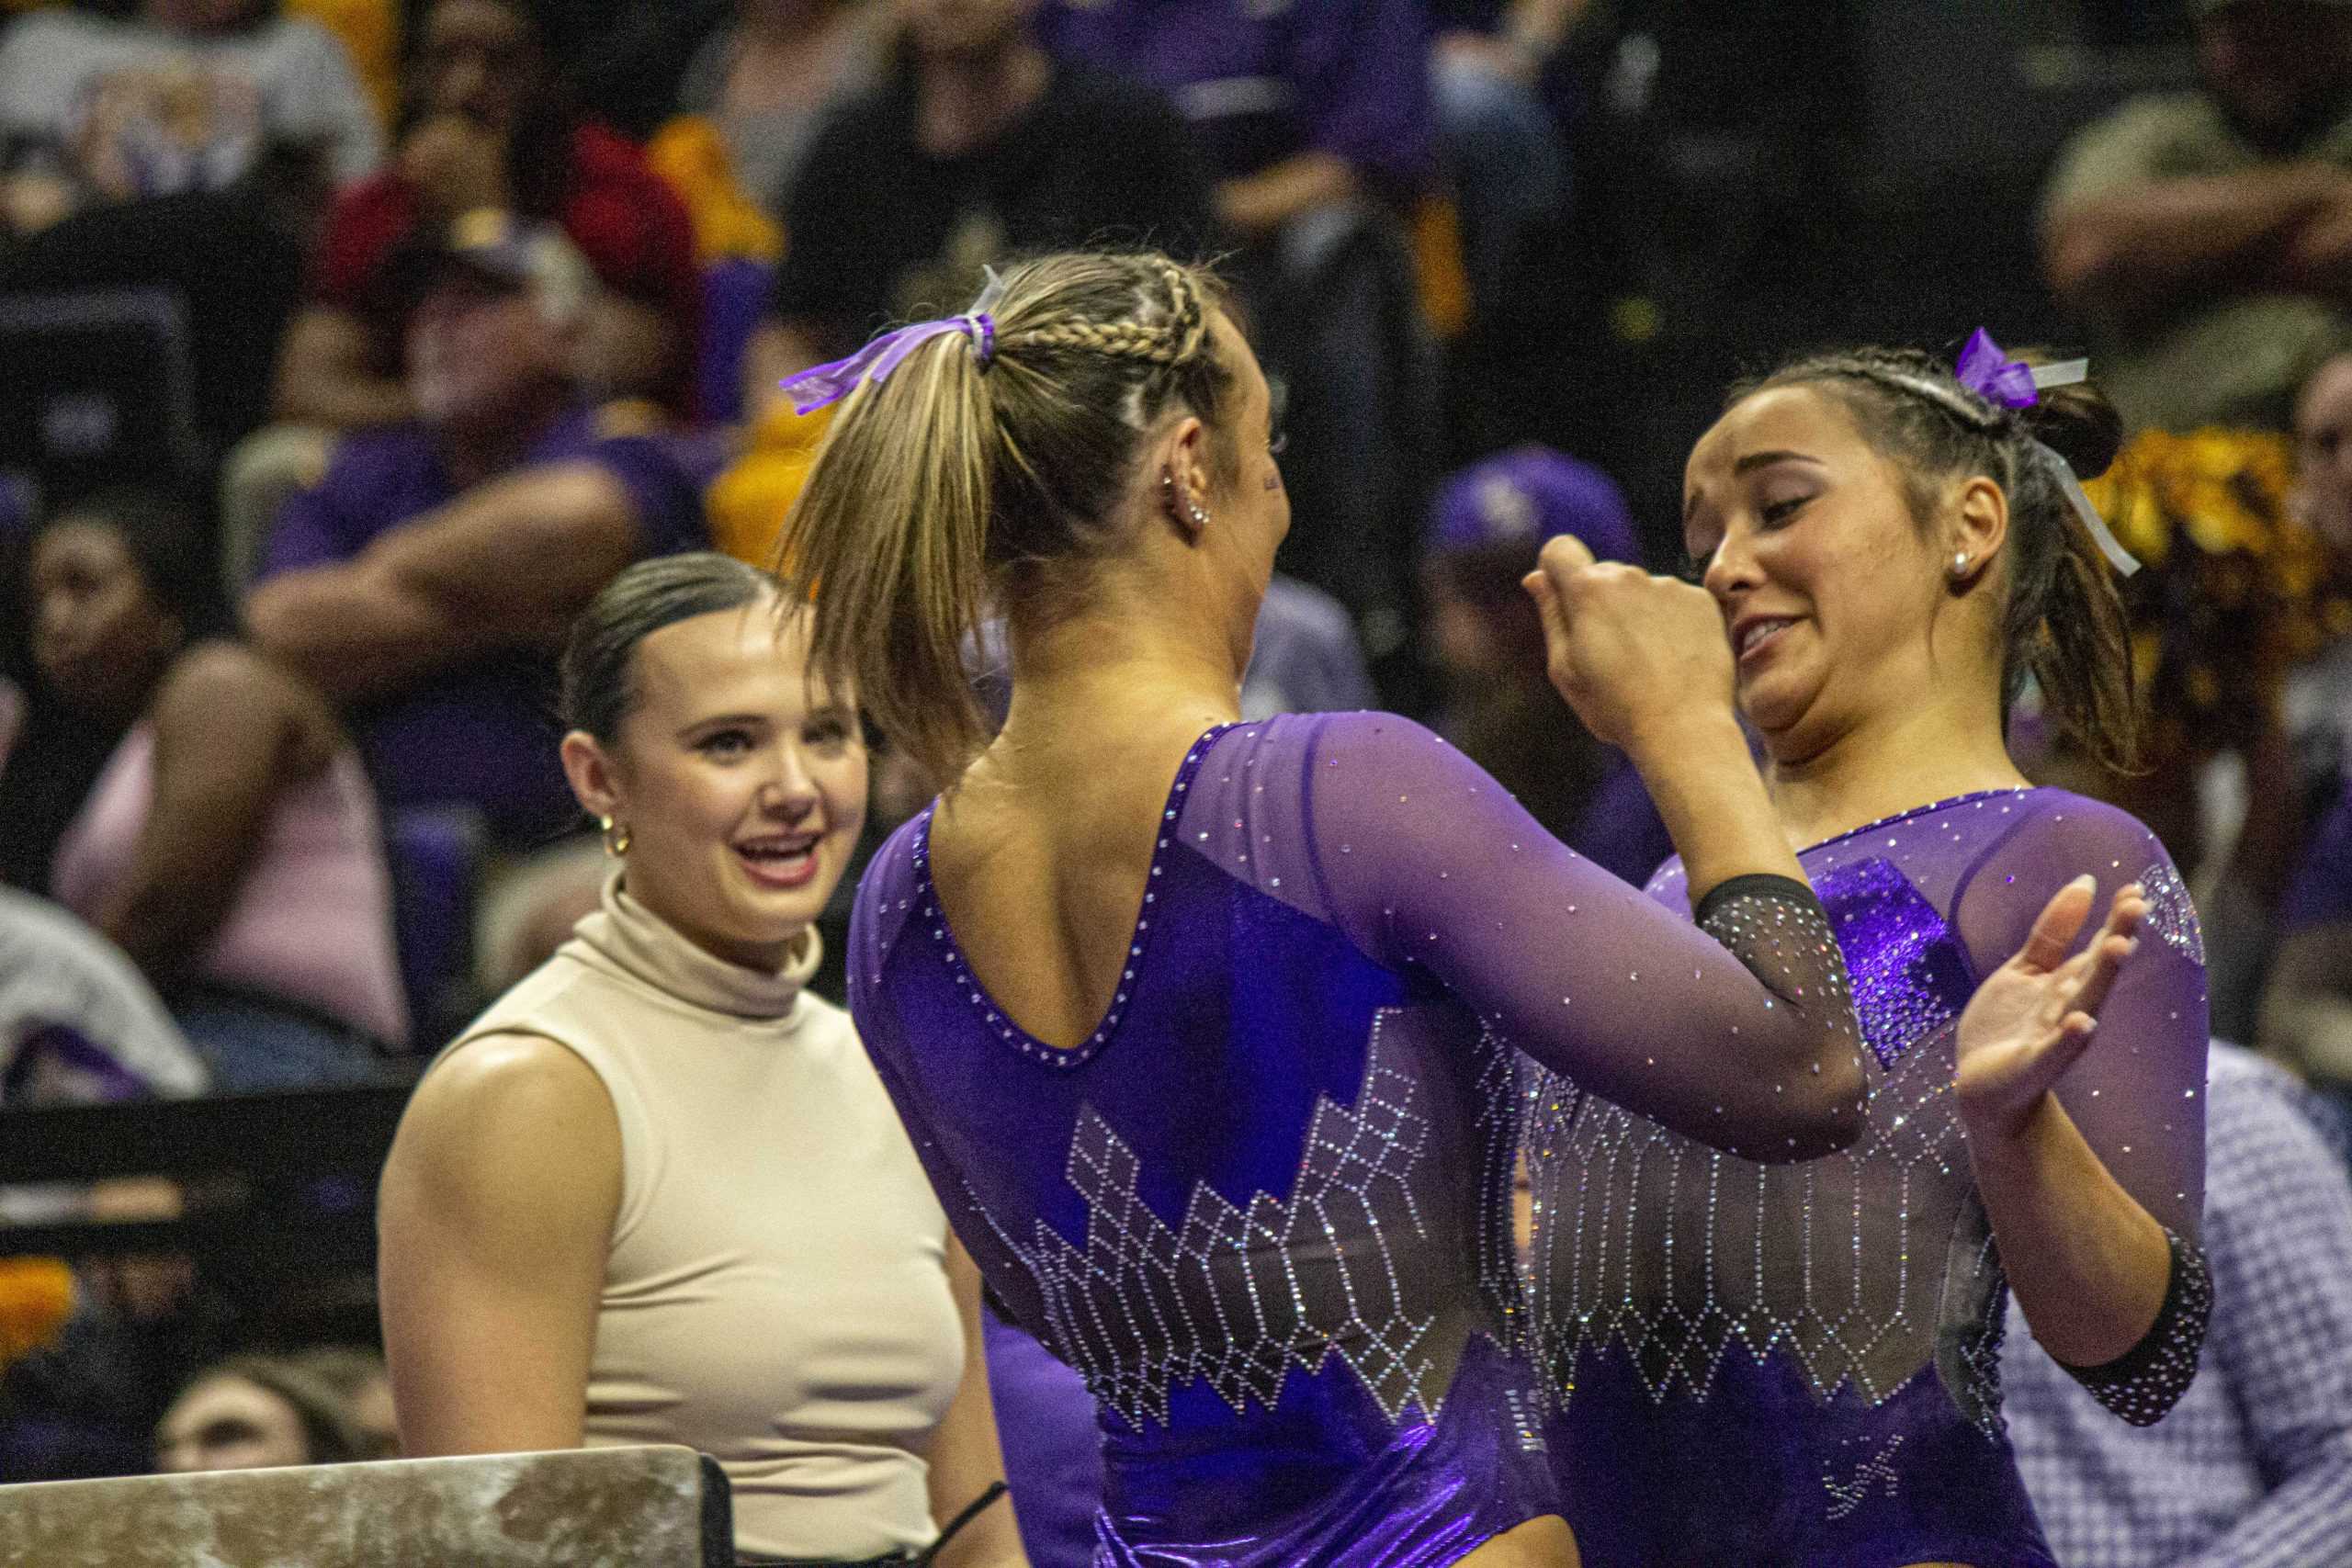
1256,1188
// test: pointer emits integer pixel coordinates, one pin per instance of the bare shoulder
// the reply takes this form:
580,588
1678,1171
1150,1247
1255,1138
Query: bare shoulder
222,674
222,682
512,1122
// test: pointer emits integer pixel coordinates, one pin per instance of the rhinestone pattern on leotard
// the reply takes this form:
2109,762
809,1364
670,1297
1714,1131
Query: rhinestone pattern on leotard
2148,1381
1263,1209
1238,1296
1863,1267
2171,917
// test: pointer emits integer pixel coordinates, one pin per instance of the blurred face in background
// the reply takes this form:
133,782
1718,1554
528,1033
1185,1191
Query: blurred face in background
483,353
953,29
1482,626
229,1423
742,782
481,60
2282,67
2324,454
1831,594
100,639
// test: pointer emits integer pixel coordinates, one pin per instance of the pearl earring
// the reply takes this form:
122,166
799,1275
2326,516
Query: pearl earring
1959,566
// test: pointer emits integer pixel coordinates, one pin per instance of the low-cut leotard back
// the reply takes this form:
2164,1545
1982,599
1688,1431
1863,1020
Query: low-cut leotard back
1263,1207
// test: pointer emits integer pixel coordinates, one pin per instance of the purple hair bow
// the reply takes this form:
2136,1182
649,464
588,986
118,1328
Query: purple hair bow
1992,375
819,385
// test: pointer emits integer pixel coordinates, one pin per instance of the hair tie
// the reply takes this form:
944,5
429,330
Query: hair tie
815,387
1992,375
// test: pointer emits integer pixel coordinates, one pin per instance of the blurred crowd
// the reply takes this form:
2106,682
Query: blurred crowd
357,346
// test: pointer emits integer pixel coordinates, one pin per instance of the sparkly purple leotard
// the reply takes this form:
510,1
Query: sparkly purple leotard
1263,1208
1793,1366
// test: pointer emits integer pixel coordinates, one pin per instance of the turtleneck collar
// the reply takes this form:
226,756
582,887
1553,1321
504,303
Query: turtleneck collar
655,952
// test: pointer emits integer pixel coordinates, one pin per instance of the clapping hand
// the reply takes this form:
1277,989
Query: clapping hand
2034,1016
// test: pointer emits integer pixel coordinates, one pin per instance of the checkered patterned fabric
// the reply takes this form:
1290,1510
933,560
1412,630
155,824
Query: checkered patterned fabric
2253,1468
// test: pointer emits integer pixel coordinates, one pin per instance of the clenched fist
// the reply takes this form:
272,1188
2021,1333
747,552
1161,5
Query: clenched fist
1627,649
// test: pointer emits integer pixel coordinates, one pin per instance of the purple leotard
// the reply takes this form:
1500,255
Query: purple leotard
1793,1366
1263,1208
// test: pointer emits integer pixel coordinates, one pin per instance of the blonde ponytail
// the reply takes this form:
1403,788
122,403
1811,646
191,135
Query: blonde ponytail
934,481
889,538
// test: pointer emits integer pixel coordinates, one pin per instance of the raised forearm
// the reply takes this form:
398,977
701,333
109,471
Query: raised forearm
1708,795
356,632
526,552
2088,1264
175,893
2139,251
1707,791
229,738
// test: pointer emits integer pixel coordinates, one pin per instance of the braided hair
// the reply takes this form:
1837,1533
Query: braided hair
959,479
2063,624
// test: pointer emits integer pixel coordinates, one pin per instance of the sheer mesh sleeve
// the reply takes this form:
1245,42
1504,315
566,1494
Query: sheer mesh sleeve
1723,1033
2137,1094
2147,1381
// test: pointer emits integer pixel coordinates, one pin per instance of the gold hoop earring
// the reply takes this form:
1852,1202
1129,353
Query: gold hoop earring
615,837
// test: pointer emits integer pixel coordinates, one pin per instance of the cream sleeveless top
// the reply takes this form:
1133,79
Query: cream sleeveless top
777,1294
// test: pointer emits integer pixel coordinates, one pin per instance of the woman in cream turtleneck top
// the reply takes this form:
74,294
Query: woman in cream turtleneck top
656,1194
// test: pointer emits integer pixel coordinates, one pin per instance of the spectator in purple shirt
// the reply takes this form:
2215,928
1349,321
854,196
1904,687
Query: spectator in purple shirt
426,580
1317,120
1486,526
1300,105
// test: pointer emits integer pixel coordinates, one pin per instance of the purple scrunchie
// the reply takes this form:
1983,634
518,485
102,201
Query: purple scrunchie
815,387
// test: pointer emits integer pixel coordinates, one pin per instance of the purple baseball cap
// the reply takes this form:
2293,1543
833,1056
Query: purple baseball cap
1525,496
